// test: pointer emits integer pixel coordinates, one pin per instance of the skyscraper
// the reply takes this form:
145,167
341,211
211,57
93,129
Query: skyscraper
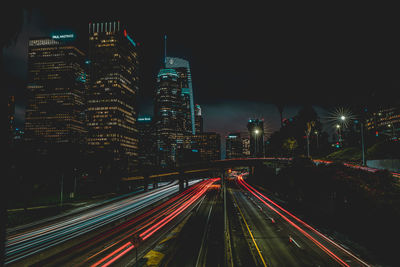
169,123
182,68
256,133
147,145
111,100
55,93
198,119
234,146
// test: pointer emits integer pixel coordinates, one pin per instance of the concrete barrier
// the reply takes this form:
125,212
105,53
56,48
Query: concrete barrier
388,164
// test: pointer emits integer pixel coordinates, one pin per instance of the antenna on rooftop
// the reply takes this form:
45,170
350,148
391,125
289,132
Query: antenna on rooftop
165,50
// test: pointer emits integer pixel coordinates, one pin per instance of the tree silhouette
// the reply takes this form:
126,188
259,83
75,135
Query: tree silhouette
290,145
280,110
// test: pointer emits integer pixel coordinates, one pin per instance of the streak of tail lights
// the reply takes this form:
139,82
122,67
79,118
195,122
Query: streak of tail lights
262,198
157,219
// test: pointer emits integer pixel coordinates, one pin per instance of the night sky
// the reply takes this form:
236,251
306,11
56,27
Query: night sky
243,58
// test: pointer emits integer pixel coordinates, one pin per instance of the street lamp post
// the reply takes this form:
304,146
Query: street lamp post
256,132
392,126
342,119
362,143
339,134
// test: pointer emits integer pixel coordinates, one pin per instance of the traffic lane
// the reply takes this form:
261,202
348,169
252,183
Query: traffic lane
64,254
77,211
185,253
331,248
272,241
215,239
242,249
190,247
59,233
121,234
31,242
273,237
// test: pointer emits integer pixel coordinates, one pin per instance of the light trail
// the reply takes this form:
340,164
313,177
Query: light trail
330,253
30,242
147,216
252,190
140,217
155,222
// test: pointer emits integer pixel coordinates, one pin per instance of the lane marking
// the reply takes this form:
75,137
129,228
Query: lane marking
205,233
248,229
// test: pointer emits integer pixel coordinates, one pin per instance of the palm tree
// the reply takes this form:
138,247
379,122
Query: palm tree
280,109
290,144
310,125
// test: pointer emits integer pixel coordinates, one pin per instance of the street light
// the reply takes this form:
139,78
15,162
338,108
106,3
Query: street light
391,126
256,132
339,134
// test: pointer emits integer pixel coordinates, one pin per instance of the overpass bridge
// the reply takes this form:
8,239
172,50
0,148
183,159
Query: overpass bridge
202,169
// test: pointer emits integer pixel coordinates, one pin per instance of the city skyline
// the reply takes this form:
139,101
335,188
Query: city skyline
186,135
239,73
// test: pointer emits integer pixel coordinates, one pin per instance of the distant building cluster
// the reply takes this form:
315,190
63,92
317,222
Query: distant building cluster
247,144
385,121
89,101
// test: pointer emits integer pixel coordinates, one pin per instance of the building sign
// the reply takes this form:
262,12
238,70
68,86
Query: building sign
129,38
144,119
63,36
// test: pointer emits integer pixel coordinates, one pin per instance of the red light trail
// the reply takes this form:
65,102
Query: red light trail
257,194
155,219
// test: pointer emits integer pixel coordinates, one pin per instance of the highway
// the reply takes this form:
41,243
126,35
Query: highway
42,237
276,237
149,228
260,232
200,241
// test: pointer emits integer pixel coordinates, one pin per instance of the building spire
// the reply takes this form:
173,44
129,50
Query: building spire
165,50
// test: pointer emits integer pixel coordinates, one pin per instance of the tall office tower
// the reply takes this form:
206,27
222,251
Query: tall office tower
182,67
111,100
198,119
55,93
234,146
185,109
147,142
256,133
168,117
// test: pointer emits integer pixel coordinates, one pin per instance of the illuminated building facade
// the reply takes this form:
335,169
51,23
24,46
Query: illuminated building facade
256,133
55,93
182,67
169,118
198,119
234,146
208,145
246,146
386,120
111,99
147,142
